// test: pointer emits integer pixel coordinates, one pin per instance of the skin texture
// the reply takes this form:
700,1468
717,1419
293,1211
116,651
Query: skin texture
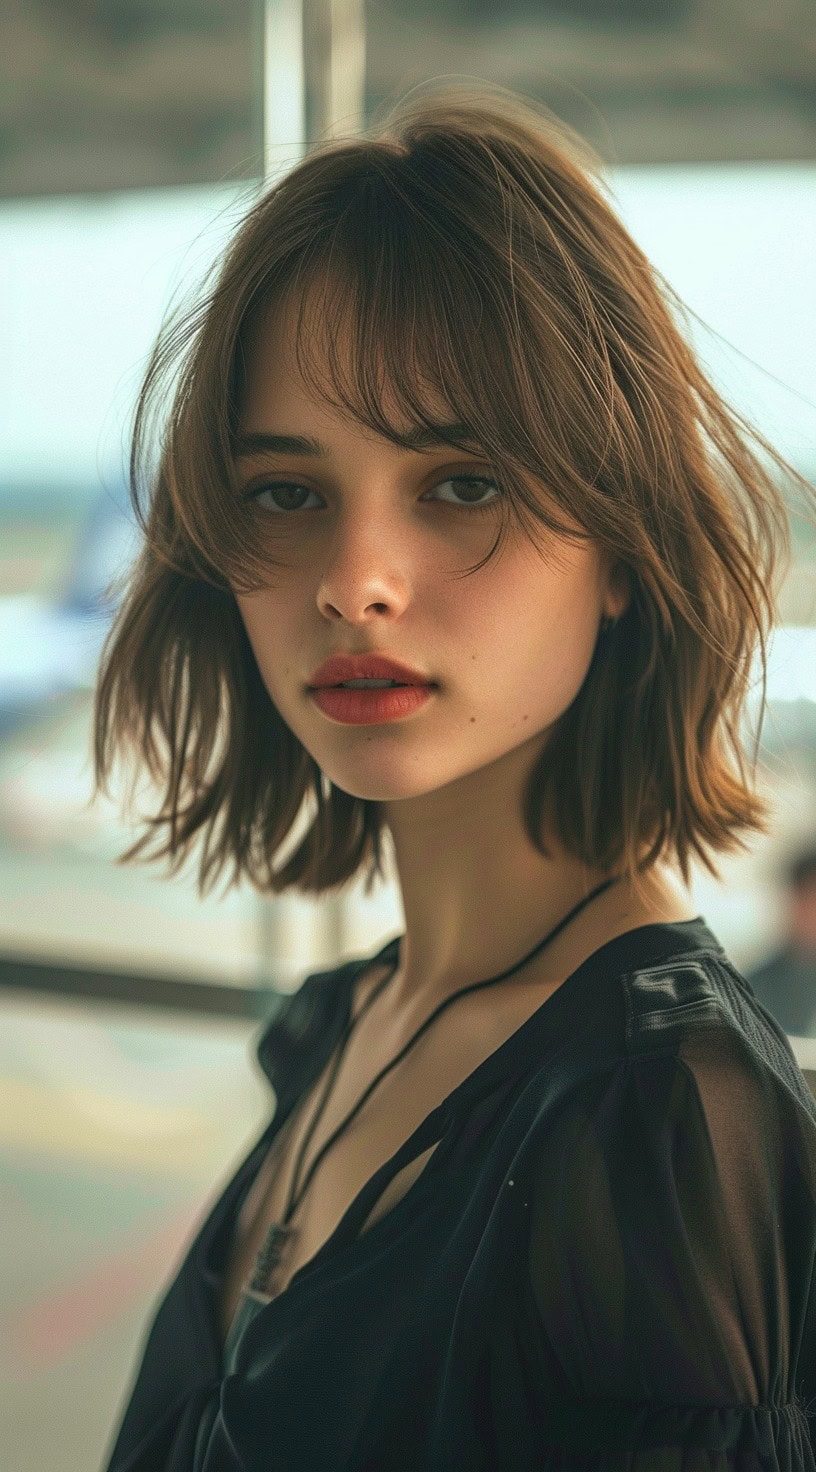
369,564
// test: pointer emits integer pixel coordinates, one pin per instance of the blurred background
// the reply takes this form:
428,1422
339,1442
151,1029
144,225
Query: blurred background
133,135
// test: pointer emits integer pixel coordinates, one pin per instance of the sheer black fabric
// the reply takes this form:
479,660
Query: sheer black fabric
607,1264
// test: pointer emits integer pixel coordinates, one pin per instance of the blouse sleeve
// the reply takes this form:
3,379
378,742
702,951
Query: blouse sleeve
672,1248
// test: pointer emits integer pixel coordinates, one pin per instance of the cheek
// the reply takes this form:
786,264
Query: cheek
537,645
517,608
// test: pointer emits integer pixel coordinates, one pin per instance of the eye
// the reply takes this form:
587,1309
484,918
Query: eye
480,481
274,487
466,482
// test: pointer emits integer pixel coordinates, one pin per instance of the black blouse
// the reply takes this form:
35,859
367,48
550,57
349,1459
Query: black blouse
607,1264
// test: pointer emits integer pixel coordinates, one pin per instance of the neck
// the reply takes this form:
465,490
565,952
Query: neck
476,894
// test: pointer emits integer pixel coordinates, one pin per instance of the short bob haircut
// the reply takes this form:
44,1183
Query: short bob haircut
468,244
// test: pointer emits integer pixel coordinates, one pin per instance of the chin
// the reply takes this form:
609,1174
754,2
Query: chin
383,790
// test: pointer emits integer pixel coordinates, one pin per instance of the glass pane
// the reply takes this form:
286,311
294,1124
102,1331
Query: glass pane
108,94
646,81
120,1128
731,239
86,284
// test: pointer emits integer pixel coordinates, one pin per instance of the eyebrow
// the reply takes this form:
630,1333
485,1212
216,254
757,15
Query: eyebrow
254,442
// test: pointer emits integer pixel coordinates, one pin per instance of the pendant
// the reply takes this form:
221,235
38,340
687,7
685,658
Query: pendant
269,1254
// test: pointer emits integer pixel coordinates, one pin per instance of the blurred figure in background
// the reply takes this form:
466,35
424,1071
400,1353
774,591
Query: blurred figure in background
786,982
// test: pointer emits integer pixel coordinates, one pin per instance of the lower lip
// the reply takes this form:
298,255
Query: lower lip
370,707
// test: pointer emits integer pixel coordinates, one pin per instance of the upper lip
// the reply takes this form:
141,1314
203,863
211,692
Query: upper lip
341,667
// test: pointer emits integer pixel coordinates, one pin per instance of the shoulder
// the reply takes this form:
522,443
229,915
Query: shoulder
704,1011
696,1111
673,1189
680,1044
663,999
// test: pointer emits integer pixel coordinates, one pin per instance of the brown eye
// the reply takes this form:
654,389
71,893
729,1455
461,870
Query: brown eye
284,486
478,482
469,486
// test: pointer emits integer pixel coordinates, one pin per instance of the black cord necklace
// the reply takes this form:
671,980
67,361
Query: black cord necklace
281,1233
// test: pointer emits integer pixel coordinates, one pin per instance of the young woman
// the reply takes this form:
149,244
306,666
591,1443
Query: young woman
539,1190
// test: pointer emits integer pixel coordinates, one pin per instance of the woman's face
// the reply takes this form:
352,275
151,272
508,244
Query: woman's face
369,554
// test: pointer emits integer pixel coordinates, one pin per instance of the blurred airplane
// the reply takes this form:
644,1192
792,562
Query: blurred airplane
49,648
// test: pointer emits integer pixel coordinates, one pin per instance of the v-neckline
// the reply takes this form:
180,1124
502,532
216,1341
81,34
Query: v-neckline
657,941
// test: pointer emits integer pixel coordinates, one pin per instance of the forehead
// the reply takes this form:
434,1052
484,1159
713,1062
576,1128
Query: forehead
286,335
269,352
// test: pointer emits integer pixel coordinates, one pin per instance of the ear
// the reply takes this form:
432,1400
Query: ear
619,590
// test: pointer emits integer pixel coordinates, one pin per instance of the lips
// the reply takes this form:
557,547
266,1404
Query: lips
342,667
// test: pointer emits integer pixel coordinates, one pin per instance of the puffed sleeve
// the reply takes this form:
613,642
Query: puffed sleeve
671,1255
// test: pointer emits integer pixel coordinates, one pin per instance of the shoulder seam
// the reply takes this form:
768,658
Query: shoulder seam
642,1024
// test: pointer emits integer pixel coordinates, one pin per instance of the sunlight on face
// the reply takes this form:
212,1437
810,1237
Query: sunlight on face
371,538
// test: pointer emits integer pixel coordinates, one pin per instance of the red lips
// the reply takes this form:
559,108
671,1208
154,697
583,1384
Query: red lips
341,667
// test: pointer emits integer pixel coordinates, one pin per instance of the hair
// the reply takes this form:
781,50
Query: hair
468,244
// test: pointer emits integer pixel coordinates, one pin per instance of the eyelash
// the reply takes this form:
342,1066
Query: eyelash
448,480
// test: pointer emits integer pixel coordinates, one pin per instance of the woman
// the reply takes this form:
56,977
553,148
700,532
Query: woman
540,1186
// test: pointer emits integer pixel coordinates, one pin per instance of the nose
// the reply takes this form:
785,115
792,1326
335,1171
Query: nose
365,575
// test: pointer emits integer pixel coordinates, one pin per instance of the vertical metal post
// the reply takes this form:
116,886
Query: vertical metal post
283,86
282,90
334,66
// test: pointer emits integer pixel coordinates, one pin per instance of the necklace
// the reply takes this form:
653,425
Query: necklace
282,1233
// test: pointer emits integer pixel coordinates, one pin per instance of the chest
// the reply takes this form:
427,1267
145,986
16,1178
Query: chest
455,1044
436,1064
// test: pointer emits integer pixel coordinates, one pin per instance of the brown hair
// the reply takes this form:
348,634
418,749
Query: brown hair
468,242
